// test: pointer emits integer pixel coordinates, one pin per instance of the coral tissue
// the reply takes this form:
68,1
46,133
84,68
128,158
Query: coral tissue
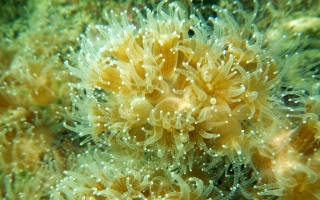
186,108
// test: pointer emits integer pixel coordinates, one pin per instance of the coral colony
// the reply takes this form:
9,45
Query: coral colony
171,105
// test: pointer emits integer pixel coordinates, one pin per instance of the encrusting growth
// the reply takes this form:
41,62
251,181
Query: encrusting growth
178,95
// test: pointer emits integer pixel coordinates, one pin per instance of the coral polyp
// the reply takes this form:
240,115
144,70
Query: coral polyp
177,101
190,91
178,90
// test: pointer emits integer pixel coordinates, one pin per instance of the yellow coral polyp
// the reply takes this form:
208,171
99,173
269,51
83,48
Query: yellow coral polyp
190,89
178,94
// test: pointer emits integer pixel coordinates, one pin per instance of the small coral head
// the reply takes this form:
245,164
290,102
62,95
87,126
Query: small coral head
158,84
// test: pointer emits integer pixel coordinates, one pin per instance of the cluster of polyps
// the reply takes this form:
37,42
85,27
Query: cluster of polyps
176,86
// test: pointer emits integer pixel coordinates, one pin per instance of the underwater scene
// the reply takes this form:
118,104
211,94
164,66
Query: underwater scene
150,99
